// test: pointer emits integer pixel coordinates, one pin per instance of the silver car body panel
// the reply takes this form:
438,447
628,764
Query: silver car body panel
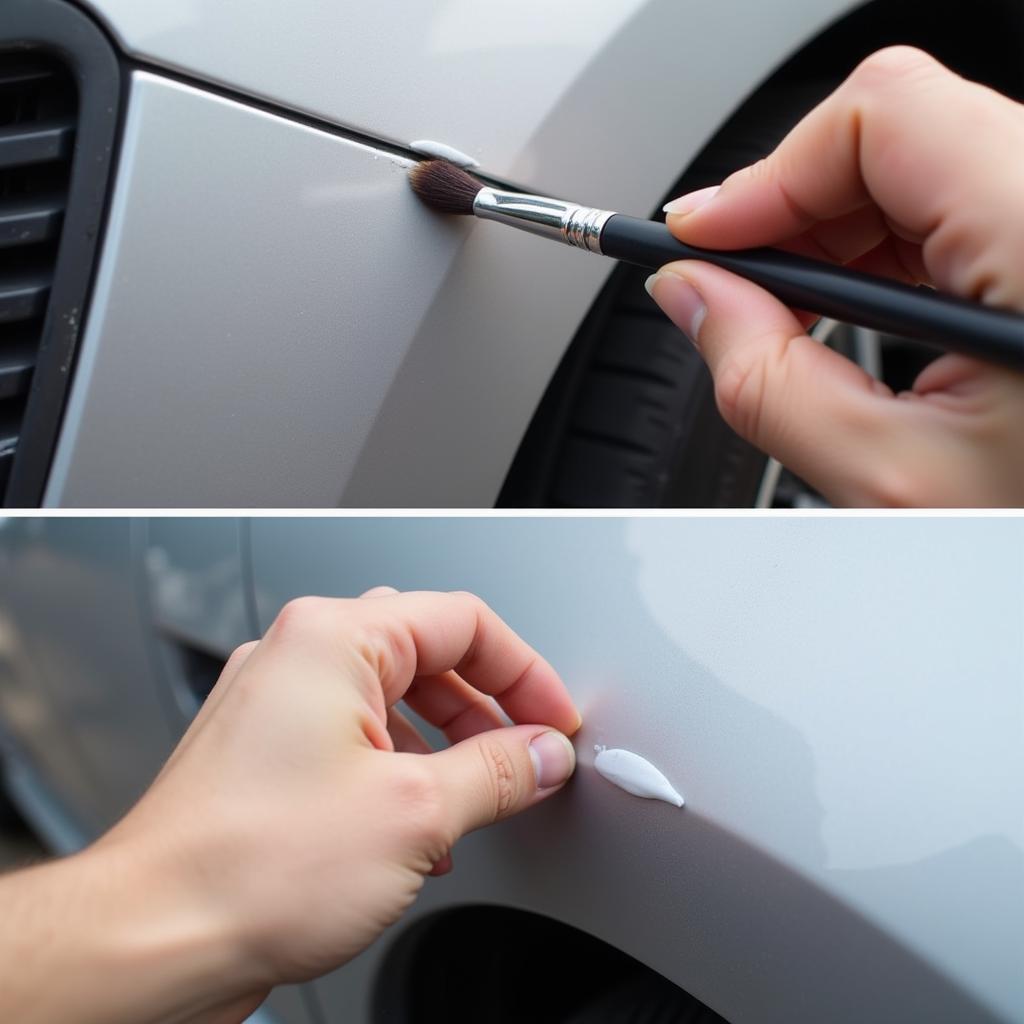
305,333
276,322
841,703
76,674
609,95
197,582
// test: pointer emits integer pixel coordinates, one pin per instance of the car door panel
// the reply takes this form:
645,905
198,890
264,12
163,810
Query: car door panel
841,710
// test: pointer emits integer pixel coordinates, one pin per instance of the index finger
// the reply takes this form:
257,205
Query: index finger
902,133
427,634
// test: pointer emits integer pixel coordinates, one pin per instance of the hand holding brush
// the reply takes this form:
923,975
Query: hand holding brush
906,176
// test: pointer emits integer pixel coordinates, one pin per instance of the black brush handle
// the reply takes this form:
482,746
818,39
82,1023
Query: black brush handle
837,292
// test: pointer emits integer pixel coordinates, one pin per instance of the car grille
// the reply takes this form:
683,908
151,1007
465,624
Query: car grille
38,102
60,97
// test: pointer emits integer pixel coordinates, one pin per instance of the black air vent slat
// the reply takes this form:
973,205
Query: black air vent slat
17,361
37,144
9,416
22,300
11,412
28,74
28,221
18,69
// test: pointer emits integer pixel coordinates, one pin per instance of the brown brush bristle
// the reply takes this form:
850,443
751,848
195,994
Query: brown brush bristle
444,186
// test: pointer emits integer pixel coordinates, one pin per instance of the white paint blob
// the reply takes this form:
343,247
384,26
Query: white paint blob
636,775
443,152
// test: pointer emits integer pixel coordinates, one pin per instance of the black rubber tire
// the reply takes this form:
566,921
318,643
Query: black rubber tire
630,420
644,430
644,998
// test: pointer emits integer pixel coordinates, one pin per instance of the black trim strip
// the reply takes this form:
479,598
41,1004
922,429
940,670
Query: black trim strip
302,117
23,301
28,221
61,30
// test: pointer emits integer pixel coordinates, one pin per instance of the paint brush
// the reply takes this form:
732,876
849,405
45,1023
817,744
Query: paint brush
810,285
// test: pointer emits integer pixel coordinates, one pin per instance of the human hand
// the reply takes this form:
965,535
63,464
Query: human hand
906,171
301,813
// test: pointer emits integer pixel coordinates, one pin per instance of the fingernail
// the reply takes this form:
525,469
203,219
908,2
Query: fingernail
679,301
690,202
553,759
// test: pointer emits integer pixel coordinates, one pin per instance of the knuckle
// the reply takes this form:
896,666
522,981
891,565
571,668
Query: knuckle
300,614
376,649
757,174
476,603
891,65
479,610
759,171
239,655
739,392
894,487
502,777
417,796
966,258
752,380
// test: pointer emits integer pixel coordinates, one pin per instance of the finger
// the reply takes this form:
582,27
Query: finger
902,133
841,239
880,253
824,167
896,259
815,411
442,867
453,706
405,736
950,376
499,773
428,634
892,257
379,592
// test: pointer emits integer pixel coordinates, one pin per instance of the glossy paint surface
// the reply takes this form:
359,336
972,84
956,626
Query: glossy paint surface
77,684
840,702
842,708
610,94
194,572
305,333
301,333
198,605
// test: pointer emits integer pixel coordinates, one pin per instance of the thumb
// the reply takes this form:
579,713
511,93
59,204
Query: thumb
501,772
818,413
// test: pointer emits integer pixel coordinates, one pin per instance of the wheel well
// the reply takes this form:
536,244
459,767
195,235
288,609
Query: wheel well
497,965
981,41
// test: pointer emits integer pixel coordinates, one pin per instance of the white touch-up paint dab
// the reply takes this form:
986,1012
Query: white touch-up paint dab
636,775
429,148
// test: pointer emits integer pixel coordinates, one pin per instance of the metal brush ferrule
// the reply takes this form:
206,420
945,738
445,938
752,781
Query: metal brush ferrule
579,226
